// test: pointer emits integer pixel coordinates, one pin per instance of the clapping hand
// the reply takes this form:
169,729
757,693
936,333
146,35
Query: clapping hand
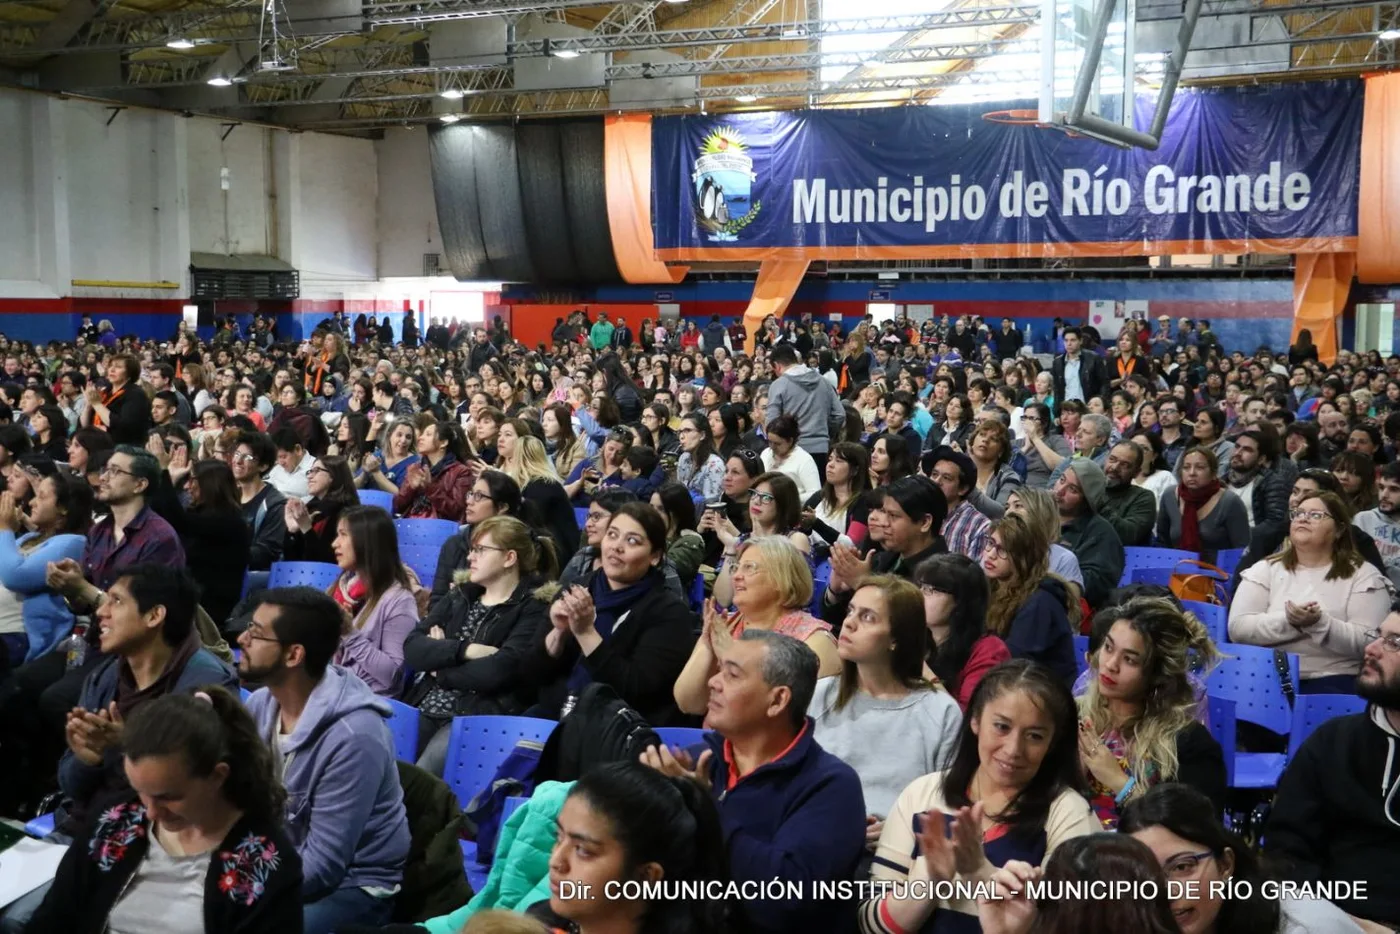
1098,760
179,463
10,517
718,627
65,576
679,764
1302,615
1010,910
847,567
296,516
371,464
156,445
952,853
577,606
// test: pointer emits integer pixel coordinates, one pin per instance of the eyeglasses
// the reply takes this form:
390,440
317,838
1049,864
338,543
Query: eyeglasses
1312,515
747,456
1389,641
994,550
478,549
317,468
931,591
108,470
243,456
687,431
476,496
253,635
747,568
763,499
1187,866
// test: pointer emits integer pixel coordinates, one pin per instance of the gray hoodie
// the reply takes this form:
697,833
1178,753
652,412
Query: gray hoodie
802,393
344,803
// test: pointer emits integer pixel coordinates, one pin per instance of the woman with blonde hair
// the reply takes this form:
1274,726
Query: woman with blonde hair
1140,717
524,460
1030,607
879,715
1316,596
772,585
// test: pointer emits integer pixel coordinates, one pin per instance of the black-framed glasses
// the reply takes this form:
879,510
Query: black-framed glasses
254,635
315,469
476,496
763,499
480,549
110,469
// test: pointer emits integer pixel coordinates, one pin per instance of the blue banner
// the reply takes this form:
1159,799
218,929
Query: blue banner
1238,169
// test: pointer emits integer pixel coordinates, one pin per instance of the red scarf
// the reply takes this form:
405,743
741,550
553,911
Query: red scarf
350,592
108,398
1191,502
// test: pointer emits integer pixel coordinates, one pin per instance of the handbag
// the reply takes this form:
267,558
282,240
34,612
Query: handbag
1206,584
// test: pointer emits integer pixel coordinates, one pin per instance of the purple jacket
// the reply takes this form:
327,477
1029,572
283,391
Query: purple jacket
374,651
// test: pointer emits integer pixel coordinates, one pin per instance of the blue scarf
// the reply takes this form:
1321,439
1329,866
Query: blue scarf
610,605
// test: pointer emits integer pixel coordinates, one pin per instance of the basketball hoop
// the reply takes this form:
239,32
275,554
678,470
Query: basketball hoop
1015,117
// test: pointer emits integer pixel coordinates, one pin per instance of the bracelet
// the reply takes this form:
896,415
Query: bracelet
1127,790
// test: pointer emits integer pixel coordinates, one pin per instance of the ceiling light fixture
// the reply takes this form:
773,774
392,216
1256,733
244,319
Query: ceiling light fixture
794,32
566,53
219,81
1390,35
181,44
452,94
746,98
450,118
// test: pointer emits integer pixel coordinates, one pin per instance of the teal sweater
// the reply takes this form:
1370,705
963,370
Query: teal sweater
520,872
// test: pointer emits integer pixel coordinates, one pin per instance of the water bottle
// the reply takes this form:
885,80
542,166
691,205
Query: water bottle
75,648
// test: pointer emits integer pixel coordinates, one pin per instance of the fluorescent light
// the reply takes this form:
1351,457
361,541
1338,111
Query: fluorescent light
452,94
219,81
180,44
794,32
887,275
450,118
675,1
566,53
1390,35
746,98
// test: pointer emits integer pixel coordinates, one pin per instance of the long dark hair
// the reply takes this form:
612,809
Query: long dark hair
786,503
701,422
858,458
358,445
962,578
1059,770
1111,857
901,458
376,544
342,491
669,821
450,434
218,492
206,733
677,507
58,422
505,492
1190,815
75,499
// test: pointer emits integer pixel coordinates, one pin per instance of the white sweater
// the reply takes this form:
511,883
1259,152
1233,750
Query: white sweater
1332,646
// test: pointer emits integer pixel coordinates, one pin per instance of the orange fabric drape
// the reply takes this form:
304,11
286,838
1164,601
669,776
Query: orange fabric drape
627,170
1378,240
1321,284
774,288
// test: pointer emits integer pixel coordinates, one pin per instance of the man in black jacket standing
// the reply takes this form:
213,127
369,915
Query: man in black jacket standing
1335,818
1078,374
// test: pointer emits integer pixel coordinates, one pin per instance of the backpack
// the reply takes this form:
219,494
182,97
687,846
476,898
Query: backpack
515,777
600,728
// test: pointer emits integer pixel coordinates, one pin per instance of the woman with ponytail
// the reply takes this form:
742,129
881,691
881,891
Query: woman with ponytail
474,638
1139,717
197,845
624,823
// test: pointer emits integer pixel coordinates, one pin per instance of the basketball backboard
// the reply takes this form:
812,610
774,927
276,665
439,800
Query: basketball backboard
1090,69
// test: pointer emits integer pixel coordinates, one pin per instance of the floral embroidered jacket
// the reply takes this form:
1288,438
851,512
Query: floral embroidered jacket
254,881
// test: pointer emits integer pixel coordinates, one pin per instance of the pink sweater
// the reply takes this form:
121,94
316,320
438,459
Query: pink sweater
374,651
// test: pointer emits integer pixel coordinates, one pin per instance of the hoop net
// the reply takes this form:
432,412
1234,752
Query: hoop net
1015,117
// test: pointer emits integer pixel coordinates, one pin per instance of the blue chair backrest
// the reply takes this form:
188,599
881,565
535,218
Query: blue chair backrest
1313,710
403,726
315,574
1142,557
1248,677
697,593
821,576
1220,718
1161,577
423,559
1081,652
682,736
478,745
1227,559
581,515
1214,618
384,501
425,532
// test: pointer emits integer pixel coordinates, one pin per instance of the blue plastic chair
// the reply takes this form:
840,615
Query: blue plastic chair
581,516
1081,652
1248,678
697,593
40,826
1214,618
682,736
384,501
403,726
821,576
1220,719
425,532
1227,559
315,574
1161,577
1310,711
476,748
1141,557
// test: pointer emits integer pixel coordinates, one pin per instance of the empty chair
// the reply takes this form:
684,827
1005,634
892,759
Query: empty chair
403,726
430,532
1310,711
1248,677
303,574
1214,618
383,500
1220,720
1142,557
1160,577
1227,559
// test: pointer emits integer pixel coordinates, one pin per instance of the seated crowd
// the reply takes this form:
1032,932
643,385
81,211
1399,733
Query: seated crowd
859,564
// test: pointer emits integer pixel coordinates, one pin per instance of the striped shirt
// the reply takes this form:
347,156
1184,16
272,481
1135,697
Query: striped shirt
965,531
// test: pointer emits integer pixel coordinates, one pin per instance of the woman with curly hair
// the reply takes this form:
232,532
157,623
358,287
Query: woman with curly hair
1139,717
1029,607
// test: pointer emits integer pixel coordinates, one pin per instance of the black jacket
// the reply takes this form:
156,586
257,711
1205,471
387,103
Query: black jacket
641,660
553,512
1200,763
1335,816
253,884
451,559
490,685
1093,376
316,544
130,416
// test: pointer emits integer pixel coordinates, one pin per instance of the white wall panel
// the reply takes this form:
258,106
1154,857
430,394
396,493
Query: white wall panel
335,221
235,221
408,226
19,251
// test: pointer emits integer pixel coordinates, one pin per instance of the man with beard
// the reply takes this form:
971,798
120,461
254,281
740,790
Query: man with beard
1383,522
1335,433
1131,510
330,739
1258,481
1079,493
1335,818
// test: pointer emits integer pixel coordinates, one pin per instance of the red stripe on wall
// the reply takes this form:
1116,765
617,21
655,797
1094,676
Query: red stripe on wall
94,306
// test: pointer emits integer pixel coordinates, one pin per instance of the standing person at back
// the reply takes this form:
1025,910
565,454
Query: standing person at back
714,336
330,738
801,392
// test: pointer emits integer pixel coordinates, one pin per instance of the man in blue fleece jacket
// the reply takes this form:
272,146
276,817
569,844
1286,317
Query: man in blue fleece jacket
791,812
329,732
